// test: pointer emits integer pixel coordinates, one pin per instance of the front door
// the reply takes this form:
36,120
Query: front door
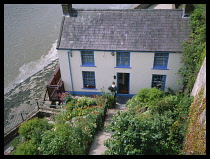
123,83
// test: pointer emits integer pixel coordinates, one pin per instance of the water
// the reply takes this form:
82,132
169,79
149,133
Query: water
30,37
29,32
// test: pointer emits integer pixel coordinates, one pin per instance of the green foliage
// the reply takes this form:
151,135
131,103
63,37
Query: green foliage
148,94
34,128
110,99
194,48
16,141
26,148
80,102
63,140
157,130
73,133
164,104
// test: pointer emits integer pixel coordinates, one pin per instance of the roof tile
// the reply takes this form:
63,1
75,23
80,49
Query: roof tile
136,30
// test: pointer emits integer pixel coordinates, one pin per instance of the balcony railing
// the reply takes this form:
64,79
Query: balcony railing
55,86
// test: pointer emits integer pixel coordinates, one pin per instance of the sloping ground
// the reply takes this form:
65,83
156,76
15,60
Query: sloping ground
98,147
195,140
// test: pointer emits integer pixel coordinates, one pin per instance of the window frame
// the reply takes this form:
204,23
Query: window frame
156,60
163,83
84,59
122,55
87,78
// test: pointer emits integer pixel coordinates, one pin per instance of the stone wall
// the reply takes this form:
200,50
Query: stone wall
200,81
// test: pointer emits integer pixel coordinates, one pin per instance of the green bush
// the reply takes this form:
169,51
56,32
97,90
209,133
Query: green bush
157,130
164,104
26,148
72,134
34,128
146,137
149,94
63,140
110,99
16,141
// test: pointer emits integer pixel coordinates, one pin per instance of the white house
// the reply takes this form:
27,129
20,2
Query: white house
135,48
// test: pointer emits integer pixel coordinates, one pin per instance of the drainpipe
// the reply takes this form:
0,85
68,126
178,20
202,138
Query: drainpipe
72,86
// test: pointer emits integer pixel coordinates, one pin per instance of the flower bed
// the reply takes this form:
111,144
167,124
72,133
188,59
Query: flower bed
72,132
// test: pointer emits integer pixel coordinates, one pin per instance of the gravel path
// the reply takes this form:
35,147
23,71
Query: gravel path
98,147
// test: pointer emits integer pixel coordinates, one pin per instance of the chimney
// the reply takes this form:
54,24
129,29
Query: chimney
66,8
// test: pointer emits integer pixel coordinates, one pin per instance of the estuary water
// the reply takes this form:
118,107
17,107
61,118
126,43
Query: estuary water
30,57
30,34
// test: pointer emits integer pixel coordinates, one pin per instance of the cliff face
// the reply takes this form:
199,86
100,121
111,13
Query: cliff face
200,81
195,140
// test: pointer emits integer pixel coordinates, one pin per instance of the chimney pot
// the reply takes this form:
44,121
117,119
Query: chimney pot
66,8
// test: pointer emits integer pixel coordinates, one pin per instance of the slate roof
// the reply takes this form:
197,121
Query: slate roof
128,29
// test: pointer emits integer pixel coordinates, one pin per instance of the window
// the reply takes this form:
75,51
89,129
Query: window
87,58
123,59
88,79
159,81
160,61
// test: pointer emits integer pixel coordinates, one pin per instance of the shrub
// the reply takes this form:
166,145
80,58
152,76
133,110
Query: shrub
149,94
159,130
110,99
63,140
26,148
164,104
34,128
73,132
16,141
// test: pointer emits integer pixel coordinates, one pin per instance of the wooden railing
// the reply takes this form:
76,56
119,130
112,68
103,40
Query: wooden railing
55,86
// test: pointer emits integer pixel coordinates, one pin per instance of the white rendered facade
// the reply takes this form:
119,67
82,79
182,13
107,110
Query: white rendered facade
140,71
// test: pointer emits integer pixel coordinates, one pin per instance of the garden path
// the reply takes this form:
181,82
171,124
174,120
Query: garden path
98,147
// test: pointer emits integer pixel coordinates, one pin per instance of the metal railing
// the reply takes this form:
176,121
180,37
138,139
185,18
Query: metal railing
25,114
21,117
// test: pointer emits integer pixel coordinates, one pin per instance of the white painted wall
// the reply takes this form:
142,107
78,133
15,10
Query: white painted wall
64,68
140,72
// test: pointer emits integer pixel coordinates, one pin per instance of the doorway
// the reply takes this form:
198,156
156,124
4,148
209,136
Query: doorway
123,83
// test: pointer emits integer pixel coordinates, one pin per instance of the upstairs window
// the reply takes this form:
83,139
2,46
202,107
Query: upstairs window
160,61
88,79
159,81
123,59
87,58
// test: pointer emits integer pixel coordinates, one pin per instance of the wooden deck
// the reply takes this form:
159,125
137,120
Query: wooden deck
55,86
